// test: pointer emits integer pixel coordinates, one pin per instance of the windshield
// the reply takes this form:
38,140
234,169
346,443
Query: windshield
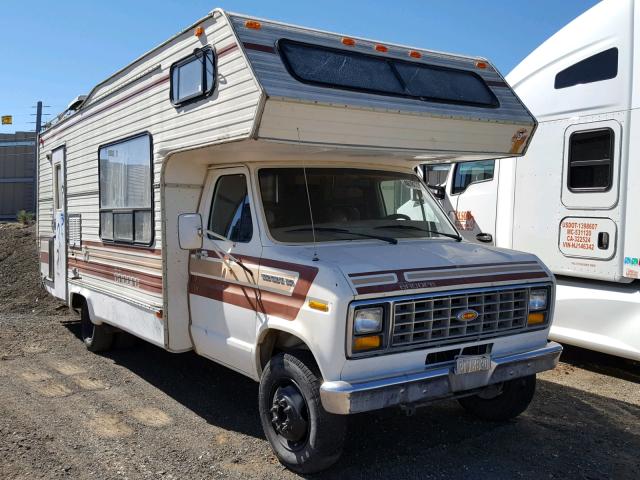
349,204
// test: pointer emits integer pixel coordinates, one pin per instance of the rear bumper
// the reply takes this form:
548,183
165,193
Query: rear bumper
344,398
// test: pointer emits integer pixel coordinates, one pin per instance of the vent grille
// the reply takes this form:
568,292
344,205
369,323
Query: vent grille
75,230
433,320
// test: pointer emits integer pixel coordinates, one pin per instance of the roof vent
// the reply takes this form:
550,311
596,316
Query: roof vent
76,103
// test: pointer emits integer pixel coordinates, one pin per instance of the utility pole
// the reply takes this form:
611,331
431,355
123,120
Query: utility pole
36,164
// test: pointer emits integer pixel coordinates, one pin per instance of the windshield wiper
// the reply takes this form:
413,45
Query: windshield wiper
458,238
391,240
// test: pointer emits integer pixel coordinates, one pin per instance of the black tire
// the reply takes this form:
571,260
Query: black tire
97,338
515,397
320,446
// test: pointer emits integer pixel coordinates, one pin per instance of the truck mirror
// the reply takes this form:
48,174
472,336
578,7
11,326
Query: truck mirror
190,231
437,191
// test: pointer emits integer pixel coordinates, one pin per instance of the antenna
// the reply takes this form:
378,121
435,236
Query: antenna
306,185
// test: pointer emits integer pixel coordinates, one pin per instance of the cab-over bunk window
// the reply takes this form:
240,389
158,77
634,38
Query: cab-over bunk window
126,196
193,77
338,68
598,67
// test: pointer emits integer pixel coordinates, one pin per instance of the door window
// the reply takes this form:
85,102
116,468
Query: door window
230,214
591,161
471,172
57,194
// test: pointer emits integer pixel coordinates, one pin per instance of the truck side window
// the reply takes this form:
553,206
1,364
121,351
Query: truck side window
591,161
598,67
230,214
471,172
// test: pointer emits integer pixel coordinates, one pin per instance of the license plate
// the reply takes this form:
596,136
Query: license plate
472,363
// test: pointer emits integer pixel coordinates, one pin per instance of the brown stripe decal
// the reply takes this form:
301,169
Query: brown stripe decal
121,276
164,78
259,48
128,248
447,267
226,50
44,257
447,282
254,298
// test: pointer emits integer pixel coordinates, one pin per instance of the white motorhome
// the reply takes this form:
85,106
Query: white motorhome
570,199
247,190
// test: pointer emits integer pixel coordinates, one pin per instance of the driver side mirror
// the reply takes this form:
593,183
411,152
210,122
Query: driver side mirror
437,191
190,231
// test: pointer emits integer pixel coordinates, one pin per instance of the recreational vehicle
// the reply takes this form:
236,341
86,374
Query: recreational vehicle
247,190
570,199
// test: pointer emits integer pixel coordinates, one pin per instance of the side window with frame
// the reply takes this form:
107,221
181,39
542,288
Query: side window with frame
126,204
471,172
193,77
591,161
230,214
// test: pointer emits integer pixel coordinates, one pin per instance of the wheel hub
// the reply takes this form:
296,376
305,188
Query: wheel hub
287,411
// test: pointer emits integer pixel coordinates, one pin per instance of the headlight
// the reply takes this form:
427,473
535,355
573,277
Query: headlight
368,320
538,299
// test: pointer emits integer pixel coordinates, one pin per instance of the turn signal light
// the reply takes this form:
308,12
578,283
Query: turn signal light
349,42
367,343
481,64
381,48
318,305
535,318
415,54
253,24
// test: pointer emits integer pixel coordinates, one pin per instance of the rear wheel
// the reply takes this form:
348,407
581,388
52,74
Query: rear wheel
305,437
502,403
97,338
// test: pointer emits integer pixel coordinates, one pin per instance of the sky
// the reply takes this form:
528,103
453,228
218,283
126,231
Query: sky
54,50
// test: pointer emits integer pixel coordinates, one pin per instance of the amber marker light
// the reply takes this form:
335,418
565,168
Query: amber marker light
481,64
349,42
159,314
415,54
367,343
381,48
535,318
253,24
318,305
198,31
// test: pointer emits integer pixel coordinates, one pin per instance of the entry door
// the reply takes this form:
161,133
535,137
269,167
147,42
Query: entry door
223,295
59,221
472,199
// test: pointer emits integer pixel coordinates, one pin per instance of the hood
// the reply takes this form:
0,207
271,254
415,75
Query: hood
434,265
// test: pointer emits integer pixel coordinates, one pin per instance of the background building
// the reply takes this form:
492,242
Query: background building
17,170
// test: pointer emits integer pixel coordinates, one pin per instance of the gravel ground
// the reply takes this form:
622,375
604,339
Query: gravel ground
141,412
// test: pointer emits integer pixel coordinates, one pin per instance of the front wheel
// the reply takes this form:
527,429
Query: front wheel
503,402
303,435
97,338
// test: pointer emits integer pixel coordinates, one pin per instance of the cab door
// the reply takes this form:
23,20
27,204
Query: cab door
223,275
471,200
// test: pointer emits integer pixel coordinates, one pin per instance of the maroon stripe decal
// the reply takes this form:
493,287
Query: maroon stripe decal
135,93
116,246
226,50
118,275
448,267
447,282
44,257
258,47
254,298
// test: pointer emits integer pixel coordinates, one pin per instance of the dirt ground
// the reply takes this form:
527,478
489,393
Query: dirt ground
141,412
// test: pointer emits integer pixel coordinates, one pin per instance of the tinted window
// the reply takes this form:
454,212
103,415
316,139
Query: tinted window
230,209
471,172
338,68
602,66
193,77
125,191
591,160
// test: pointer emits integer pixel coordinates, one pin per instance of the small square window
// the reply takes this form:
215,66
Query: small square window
193,77
591,161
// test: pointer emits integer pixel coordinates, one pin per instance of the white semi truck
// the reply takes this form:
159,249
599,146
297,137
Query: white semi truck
247,190
570,200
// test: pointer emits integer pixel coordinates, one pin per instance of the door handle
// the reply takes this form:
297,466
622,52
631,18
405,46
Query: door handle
484,237
603,241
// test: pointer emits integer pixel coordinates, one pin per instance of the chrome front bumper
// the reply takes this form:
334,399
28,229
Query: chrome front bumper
344,398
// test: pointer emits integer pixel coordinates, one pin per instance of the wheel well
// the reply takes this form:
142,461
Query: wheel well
276,341
77,301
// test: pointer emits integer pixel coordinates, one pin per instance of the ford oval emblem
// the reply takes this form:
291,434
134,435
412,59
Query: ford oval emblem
466,315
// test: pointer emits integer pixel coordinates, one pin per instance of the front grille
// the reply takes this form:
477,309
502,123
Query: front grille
433,320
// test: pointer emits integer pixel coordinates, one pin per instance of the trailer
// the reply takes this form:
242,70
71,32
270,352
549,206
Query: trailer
247,190
570,199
